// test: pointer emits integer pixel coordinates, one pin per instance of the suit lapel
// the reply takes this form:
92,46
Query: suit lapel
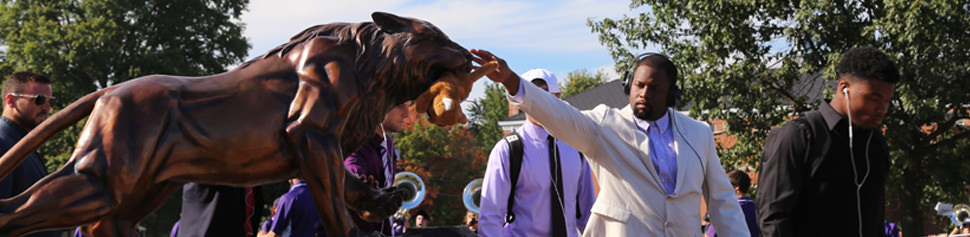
643,143
682,156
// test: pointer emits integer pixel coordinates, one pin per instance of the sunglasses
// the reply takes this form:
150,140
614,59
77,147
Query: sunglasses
38,99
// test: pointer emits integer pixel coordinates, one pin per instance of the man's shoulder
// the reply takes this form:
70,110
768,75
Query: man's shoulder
609,116
810,116
604,107
503,144
294,194
694,125
366,151
370,145
607,110
7,137
800,125
6,142
502,148
798,134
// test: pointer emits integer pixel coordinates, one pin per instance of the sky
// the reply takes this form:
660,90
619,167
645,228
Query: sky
550,34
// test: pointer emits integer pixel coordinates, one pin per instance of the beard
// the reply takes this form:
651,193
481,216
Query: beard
643,114
29,122
649,113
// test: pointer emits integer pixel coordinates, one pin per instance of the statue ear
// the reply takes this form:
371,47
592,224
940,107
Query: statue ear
391,23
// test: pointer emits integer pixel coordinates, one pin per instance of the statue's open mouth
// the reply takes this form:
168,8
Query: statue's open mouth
442,102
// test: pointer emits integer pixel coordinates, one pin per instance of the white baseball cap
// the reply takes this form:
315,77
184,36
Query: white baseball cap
545,75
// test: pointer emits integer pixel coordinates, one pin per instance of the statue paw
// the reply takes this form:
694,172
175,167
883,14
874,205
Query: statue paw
385,204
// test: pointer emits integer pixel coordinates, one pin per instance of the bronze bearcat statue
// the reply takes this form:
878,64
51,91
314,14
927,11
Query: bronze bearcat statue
289,113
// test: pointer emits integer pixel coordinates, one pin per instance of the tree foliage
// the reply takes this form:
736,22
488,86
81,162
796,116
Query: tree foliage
734,55
581,80
447,159
84,46
485,113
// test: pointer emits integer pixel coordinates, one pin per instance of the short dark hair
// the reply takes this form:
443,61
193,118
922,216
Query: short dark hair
659,62
740,179
868,63
423,213
539,82
17,82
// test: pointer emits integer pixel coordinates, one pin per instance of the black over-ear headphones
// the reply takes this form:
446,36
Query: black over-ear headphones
673,94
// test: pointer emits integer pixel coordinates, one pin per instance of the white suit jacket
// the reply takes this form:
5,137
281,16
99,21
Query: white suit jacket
632,200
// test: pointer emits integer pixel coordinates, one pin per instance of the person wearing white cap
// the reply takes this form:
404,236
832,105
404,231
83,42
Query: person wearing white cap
553,192
547,77
653,165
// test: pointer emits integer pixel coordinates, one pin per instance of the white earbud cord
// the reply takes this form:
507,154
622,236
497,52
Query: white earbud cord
555,177
855,174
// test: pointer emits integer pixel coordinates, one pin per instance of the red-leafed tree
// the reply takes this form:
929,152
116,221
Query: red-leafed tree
447,159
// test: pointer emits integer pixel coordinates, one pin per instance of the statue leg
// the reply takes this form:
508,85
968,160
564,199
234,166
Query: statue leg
320,170
113,226
60,200
374,204
124,220
326,177
333,187
316,148
313,138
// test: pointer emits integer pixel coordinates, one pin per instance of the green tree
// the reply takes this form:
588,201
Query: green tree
87,45
734,54
447,159
581,80
485,113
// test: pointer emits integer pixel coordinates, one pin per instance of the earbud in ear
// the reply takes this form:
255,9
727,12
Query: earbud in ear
845,90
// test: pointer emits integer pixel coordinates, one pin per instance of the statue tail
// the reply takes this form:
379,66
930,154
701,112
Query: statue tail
45,130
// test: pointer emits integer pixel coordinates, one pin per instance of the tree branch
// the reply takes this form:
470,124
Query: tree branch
946,126
799,106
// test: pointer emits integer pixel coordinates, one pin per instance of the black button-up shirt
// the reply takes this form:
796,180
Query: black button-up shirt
807,186
26,174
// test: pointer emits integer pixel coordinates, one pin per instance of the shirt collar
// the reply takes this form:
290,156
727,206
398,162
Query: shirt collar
832,118
298,184
663,123
15,125
376,140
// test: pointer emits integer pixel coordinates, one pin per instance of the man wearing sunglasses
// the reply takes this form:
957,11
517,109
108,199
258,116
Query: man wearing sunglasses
26,103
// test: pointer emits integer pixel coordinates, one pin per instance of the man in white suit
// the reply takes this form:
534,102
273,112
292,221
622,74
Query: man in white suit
653,165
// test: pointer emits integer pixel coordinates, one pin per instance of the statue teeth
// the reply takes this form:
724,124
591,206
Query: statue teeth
447,102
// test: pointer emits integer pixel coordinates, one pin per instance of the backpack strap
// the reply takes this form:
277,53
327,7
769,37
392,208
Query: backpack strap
515,165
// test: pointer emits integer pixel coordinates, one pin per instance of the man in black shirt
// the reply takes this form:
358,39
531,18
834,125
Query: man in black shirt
27,103
824,174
